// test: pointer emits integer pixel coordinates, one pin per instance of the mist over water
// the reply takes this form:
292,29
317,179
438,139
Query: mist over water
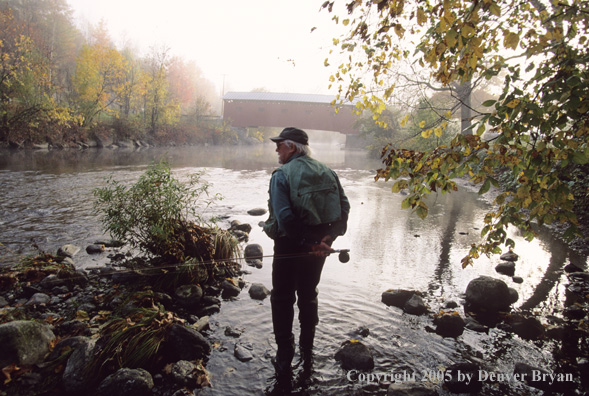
47,201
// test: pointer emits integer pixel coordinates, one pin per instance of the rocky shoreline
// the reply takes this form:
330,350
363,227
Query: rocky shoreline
69,331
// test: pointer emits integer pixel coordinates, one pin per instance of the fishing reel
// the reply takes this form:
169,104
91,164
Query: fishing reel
344,255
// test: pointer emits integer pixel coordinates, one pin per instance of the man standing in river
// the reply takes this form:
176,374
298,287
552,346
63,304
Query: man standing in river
308,210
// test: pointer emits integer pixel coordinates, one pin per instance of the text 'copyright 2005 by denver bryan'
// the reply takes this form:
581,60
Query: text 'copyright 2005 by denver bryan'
466,377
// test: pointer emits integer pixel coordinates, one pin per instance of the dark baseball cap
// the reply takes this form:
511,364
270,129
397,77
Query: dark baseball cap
294,134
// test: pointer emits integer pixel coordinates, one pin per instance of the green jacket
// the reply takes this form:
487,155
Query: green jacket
316,206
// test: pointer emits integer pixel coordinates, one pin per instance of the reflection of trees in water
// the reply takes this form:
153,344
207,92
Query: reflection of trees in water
462,209
559,253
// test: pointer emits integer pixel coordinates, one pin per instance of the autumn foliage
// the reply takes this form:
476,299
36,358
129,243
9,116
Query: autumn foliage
533,133
58,86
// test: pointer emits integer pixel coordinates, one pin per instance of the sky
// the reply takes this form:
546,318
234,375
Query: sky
239,45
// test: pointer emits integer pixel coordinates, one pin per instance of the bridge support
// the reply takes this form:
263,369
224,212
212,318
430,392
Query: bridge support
355,142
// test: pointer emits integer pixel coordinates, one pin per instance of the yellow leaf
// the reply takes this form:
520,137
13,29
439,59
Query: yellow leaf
495,9
511,40
438,132
513,103
427,133
451,38
422,124
346,22
421,18
404,120
467,31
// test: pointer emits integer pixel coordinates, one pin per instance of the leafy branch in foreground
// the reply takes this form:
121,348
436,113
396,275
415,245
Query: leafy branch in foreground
538,123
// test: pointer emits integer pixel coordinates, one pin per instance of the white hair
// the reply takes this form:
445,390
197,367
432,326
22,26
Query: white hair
299,147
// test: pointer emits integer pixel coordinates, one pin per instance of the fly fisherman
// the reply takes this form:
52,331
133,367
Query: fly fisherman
308,210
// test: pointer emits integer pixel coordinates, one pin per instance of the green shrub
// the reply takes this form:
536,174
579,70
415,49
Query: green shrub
160,216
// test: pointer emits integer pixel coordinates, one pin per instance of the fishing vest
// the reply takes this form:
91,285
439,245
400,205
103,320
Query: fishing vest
314,194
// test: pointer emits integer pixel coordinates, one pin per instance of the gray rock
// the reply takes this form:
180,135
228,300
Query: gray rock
229,289
397,298
24,342
449,324
488,293
517,279
189,296
258,291
257,212
253,251
533,376
509,256
76,377
66,345
232,332
3,302
202,324
238,225
95,249
513,295
39,299
415,306
472,324
124,382
528,328
242,353
182,373
455,378
185,343
255,263
240,235
68,250
507,268
354,355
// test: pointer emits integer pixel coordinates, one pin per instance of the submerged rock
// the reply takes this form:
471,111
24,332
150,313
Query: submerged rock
354,355
257,212
463,378
509,256
415,306
258,291
449,324
507,268
242,353
68,250
397,297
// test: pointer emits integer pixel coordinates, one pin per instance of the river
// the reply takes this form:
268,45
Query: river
47,202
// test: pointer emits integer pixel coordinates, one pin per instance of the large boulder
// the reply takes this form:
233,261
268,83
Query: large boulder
136,382
24,342
397,297
185,343
189,296
488,294
415,306
258,291
76,377
354,355
449,324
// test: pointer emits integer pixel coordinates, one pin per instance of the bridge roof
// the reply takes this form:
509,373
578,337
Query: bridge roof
280,97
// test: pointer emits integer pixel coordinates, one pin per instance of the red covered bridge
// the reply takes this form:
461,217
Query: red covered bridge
305,111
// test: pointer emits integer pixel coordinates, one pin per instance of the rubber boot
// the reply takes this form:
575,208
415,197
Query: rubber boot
306,339
284,355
